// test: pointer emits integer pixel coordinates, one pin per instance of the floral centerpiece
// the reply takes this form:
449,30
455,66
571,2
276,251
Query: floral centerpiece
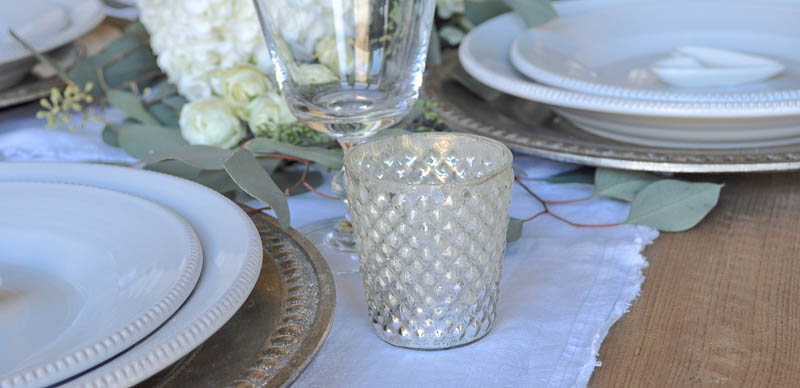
194,80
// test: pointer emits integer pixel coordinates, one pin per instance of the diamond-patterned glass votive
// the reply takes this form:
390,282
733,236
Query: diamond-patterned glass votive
430,213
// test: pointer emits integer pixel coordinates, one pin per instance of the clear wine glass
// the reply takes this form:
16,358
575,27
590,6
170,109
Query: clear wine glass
347,68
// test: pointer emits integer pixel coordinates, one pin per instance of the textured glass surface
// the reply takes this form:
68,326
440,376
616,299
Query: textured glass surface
348,67
430,213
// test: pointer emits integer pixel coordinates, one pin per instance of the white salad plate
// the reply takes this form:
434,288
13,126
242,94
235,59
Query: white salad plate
484,54
650,47
232,262
46,24
87,273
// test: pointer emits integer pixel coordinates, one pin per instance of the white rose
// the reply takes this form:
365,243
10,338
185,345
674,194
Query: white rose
241,83
313,74
327,52
446,8
266,113
211,122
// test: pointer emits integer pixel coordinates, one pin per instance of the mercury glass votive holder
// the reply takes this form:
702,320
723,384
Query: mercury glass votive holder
430,213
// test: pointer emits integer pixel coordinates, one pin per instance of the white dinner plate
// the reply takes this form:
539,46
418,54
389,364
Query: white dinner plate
48,33
484,54
584,53
232,262
87,273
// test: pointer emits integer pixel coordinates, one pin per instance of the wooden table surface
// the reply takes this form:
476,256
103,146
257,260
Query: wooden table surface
720,305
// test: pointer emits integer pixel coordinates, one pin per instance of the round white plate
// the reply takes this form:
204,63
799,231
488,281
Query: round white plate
87,273
46,24
581,52
232,262
484,55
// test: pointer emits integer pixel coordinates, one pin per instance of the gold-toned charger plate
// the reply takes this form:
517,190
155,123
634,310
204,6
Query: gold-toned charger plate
278,330
532,128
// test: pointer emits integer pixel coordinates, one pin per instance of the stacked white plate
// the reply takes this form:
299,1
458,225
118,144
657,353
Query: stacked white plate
111,274
610,67
45,25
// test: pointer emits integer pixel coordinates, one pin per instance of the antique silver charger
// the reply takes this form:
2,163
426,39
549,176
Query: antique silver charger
34,86
533,128
279,328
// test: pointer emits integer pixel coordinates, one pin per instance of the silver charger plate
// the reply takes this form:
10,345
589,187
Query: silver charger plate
278,330
533,128
34,87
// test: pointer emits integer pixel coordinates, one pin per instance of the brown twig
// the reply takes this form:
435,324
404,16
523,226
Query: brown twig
259,210
300,182
554,215
315,191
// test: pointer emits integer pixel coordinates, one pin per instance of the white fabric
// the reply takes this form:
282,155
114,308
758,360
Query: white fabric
562,287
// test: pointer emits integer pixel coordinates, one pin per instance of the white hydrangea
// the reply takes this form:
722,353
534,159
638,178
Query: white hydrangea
192,38
195,38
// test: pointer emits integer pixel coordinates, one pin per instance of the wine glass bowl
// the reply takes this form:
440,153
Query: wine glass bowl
348,68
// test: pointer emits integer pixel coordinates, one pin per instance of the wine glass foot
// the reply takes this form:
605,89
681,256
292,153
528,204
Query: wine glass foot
335,241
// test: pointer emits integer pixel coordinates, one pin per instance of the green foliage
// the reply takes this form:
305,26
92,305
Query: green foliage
329,158
583,175
131,106
248,174
672,205
514,231
621,184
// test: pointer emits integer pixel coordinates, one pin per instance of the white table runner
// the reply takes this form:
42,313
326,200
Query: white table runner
562,287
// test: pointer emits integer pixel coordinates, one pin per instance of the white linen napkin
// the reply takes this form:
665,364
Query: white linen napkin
562,287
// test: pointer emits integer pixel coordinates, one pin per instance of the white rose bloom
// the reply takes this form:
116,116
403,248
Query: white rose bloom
327,52
446,8
242,83
266,113
313,74
211,122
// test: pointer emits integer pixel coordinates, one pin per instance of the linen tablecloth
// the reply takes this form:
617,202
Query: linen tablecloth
562,287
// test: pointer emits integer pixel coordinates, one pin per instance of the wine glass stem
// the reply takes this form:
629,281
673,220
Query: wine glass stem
342,234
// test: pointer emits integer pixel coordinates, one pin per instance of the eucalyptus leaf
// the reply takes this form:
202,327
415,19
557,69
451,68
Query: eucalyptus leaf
131,105
165,114
582,175
110,136
86,70
672,205
620,184
329,158
533,12
140,140
175,102
479,11
288,179
163,90
248,174
514,229
200,156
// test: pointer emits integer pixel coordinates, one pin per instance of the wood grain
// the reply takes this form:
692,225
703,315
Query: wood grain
720,305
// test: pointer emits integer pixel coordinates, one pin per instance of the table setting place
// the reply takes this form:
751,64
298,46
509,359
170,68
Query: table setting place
401,193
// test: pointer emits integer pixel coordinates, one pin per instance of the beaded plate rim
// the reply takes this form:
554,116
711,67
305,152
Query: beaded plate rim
601,152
